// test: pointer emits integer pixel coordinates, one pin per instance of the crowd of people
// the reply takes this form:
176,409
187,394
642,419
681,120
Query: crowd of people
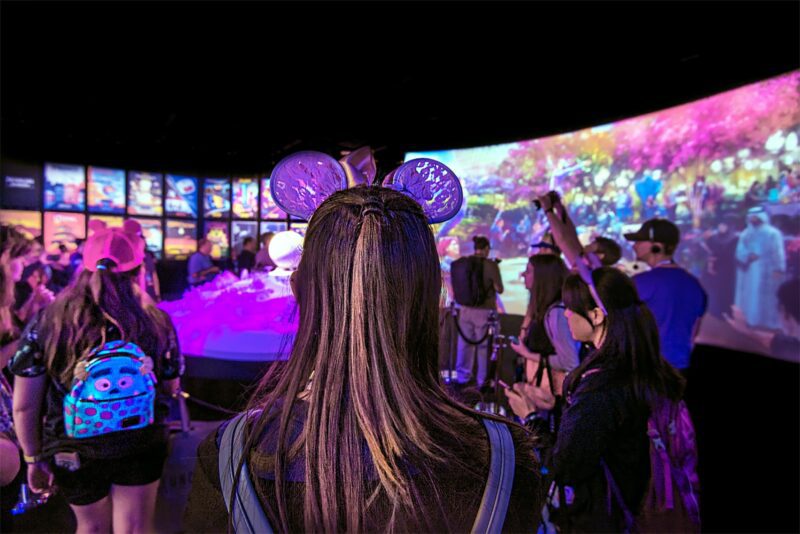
356,431
201,268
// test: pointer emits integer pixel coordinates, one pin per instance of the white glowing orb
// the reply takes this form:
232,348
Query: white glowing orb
285,249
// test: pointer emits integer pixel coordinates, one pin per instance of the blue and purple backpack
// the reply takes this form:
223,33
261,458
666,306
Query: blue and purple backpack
113,396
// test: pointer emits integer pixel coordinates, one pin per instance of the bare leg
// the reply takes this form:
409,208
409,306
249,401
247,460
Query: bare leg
134,508
93,518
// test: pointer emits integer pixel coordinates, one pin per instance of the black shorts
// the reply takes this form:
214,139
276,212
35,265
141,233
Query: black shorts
93,480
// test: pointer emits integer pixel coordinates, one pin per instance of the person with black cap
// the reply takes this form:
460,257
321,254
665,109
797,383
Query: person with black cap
675,297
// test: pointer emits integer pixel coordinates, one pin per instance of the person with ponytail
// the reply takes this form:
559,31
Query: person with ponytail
356,432
111,477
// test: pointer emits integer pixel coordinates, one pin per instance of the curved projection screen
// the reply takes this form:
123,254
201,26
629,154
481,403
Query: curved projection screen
711,166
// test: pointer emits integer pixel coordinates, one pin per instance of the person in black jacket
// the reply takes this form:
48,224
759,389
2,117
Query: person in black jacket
609,397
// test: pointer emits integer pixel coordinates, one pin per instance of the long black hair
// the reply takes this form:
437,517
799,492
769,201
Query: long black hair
631,348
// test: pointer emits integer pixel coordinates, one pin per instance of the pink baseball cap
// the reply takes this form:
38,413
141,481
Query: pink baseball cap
124,246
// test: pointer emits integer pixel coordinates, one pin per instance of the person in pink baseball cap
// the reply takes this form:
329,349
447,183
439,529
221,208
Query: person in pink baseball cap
124,247
109,476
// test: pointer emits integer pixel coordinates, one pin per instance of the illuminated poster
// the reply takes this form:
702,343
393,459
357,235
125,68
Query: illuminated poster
64,187
181,196
181,239
27,222
274,227
300,228
217,198
144,193
153,232
245,198
106,190
63,229
217,233
241,230
21,186
110,220
268,208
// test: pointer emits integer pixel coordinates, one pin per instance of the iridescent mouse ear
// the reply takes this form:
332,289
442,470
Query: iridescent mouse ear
302,181
432,184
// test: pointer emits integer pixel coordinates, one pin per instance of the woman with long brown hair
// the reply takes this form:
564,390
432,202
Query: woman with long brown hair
14,251
544,332
356,432
107,467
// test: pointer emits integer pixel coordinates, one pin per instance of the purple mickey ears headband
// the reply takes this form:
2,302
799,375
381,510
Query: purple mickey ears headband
302,181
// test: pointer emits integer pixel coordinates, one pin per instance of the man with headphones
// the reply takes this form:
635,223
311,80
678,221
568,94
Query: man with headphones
675,297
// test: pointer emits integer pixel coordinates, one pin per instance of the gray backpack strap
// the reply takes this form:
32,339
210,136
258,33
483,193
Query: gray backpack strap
247,516
492,513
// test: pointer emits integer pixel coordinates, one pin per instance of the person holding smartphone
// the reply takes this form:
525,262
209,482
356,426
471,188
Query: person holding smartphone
545,334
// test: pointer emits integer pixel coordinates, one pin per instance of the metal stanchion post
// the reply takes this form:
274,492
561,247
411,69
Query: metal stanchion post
453,343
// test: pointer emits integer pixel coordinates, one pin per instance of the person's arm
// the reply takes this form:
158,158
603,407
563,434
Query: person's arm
497,279
28,398
524,351
173,364
742,255
566,357
196,271
564,233
156,285
7,351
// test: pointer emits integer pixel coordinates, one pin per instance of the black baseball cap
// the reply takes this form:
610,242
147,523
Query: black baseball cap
657,231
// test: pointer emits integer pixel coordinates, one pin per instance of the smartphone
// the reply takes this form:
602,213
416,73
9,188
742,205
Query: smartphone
514,340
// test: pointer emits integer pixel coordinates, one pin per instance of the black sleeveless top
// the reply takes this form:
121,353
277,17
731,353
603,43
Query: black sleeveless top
537,339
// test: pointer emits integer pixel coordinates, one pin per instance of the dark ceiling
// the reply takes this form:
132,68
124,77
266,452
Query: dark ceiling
233,87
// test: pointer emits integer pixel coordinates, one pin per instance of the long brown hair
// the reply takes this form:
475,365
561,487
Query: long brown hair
13,244
77,321
368,288
549,273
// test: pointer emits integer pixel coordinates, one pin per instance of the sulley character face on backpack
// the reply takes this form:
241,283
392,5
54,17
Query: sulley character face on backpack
115,392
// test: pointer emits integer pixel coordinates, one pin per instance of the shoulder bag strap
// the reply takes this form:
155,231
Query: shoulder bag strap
497,493
246,513
630,520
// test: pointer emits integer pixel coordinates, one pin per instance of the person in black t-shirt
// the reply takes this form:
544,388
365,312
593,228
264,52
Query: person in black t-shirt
115,474
247,257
